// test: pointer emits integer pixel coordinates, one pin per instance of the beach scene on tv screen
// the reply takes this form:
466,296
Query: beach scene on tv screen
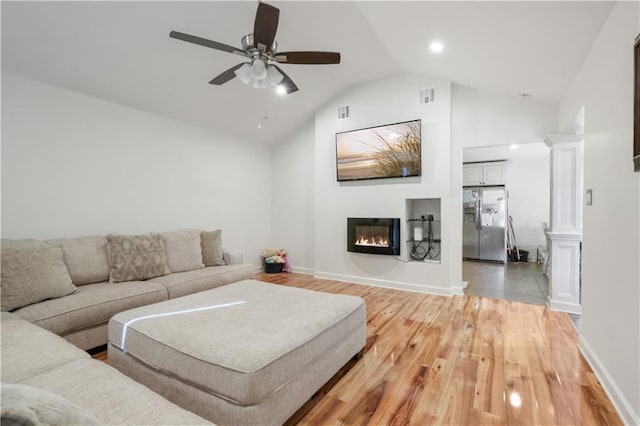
379,152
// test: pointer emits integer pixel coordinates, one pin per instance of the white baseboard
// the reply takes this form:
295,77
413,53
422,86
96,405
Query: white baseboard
628,416
396,285
459,290
571,308
302,270
296,269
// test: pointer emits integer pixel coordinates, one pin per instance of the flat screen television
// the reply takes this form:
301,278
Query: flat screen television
389,151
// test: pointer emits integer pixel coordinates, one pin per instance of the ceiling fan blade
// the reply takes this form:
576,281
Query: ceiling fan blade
229,74
312,58
265,26
288,84
207,43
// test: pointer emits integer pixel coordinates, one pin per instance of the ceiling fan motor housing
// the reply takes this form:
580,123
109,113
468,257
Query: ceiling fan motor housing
247,46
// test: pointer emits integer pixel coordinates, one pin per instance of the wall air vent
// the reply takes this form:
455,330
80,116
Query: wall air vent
344,113
427,96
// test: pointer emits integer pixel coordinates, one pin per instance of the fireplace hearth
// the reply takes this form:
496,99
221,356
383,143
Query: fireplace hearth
373,235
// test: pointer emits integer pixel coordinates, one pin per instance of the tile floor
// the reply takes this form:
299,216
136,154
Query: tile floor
520,282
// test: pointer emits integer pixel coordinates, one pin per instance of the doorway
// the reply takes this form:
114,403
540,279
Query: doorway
527,188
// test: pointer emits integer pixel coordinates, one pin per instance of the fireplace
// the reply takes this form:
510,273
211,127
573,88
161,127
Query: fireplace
373,235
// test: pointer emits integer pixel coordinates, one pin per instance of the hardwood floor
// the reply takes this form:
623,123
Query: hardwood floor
458,361
461,360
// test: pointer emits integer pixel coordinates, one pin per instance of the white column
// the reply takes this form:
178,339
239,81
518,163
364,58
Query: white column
565,233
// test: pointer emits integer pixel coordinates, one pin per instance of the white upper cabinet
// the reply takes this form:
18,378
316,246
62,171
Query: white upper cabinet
494,173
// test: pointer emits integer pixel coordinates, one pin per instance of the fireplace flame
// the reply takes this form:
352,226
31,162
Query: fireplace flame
373,242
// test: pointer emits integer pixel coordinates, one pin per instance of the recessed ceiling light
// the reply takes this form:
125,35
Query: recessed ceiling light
281,90
436,47
513,146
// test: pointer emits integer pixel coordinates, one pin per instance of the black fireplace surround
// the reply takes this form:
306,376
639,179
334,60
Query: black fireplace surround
373,235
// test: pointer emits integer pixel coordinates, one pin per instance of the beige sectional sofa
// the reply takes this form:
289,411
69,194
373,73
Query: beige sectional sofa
47,380
82,316
61,294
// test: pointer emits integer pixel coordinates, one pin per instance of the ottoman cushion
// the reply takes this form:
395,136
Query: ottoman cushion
241,342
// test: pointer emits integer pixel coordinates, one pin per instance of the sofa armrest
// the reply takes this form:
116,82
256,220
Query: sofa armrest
232,257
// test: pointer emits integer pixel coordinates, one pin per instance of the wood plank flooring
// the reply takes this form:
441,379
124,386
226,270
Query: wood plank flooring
464,360
457,361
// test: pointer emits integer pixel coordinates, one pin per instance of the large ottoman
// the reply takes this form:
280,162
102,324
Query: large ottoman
245,353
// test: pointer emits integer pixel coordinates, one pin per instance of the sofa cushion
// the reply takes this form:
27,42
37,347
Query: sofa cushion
86,258
136,257
23,344
212,253
32,271
110,396
26,405
183,283
183,250
92,304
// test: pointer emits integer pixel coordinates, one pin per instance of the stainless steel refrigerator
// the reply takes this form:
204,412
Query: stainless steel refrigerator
484,223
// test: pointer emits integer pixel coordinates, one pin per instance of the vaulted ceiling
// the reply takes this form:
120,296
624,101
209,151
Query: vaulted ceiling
121,52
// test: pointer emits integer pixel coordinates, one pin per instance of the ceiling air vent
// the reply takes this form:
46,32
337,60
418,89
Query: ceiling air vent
427,96
343,112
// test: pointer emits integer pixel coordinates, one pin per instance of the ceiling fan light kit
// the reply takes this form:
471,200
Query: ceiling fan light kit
258,70
244,73
261,47
259,75
274,76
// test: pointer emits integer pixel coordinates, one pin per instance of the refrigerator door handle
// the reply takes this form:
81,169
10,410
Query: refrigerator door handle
479,214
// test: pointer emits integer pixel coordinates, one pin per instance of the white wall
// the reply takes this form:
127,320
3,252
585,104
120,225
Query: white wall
293,164
487,119
480,119
528,183
74,165
610,336
385,101
484,119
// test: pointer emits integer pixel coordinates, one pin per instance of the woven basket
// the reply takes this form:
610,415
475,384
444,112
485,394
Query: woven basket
273,268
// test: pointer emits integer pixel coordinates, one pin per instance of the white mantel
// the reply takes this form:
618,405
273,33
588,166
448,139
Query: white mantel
565,232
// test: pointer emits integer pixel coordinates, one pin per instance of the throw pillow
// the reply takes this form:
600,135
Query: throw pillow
136,257
86,258
26,405
212,254
32,271
183,250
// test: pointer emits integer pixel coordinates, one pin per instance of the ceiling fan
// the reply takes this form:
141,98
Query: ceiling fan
262,49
